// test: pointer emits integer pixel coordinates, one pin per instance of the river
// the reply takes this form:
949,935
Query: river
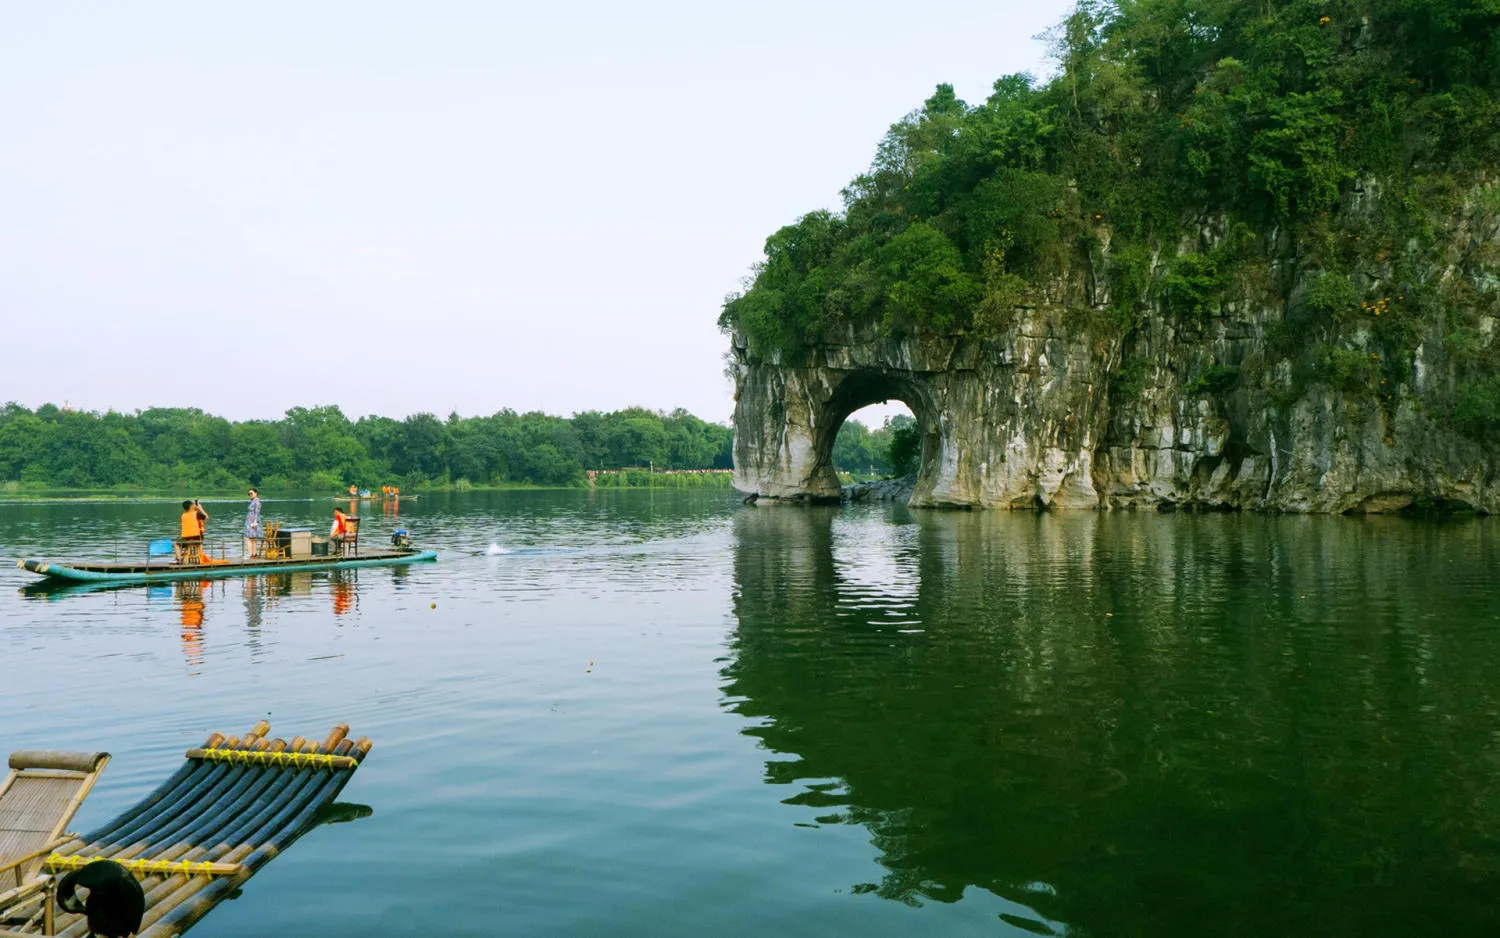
663,713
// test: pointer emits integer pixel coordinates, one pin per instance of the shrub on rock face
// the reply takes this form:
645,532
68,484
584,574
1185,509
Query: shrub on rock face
1349,370
1215,379
1477,409
1192,287
1331,298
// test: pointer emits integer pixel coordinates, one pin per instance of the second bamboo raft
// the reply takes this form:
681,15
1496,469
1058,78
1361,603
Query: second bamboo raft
230,809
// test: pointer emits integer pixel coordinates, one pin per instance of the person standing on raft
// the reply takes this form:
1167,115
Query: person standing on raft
252,524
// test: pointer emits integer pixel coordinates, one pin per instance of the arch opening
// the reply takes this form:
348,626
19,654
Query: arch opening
861,390
862,445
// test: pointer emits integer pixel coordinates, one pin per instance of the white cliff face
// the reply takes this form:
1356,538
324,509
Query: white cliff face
1041,416
1009,426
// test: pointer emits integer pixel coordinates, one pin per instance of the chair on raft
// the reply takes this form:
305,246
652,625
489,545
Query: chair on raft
37,800
159,548
271,545
230,809
348,542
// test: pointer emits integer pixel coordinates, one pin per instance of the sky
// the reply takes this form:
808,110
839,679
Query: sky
442,207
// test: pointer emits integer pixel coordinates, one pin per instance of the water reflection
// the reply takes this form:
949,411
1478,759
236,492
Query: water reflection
202,608
1137,725
188,595
343,585
252,589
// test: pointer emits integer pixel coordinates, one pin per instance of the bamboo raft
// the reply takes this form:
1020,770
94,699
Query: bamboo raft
232,807
84,571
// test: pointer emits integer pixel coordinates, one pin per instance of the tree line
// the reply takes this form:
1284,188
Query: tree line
320,449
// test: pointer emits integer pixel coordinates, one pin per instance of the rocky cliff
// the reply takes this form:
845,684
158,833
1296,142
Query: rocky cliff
1229,255
1224,410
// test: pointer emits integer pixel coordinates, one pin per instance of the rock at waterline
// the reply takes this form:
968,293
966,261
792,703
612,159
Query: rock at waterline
881,490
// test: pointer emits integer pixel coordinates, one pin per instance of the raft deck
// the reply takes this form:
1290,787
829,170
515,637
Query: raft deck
230,809
104,572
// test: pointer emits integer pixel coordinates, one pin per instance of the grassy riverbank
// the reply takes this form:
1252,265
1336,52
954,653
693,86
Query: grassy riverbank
37,492
677,479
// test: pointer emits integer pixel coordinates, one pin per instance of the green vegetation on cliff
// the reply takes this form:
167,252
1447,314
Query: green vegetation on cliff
319,448
1189,156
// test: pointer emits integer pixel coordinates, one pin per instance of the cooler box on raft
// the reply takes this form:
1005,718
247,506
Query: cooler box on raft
299,541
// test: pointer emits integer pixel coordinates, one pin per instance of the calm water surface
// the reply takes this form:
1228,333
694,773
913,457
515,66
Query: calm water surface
667,714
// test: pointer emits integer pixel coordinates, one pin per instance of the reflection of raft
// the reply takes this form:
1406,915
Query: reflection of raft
193,842
98,572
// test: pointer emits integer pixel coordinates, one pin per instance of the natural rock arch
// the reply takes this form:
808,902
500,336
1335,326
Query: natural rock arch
853,390
1042,414
969,404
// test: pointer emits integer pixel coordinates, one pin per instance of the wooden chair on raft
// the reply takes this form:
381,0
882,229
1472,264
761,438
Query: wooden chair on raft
271,546
37,800
231,808
348,542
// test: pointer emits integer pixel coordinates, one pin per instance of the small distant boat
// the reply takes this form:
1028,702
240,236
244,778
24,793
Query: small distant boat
367,497
86,571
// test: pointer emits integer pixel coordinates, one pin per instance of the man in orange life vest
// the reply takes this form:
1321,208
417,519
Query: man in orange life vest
340,524
193,520
344,530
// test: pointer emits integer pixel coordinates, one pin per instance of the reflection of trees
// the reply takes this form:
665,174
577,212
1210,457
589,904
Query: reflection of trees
1139,725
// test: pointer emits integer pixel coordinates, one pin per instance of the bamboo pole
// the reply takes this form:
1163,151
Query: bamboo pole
180,890
339,731
194,907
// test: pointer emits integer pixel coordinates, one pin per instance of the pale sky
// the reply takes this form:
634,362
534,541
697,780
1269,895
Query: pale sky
431,207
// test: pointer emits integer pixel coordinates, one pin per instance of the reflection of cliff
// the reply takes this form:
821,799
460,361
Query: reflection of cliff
1137,725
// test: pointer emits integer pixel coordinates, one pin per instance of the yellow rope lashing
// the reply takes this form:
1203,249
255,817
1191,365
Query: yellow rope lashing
253,757
57,864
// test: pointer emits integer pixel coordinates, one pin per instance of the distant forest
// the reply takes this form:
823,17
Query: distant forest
320,449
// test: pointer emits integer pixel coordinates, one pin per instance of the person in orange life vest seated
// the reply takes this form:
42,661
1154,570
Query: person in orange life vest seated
193,522
343,529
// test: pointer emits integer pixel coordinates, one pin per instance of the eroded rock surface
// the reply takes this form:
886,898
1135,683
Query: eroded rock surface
1045,413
